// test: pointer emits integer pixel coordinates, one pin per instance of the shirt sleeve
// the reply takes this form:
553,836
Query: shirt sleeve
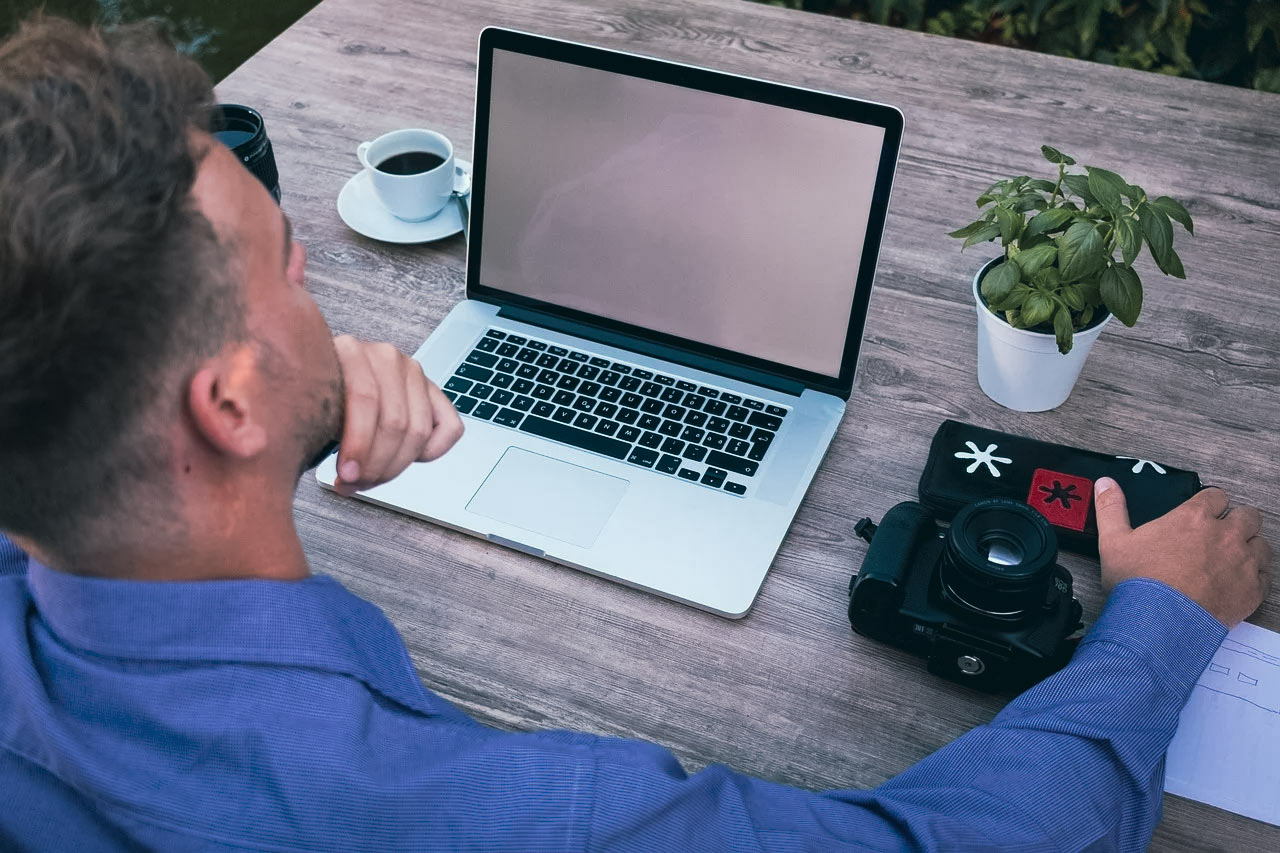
1075,763
12,560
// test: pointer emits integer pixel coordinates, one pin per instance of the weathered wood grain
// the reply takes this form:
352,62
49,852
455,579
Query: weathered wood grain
789,692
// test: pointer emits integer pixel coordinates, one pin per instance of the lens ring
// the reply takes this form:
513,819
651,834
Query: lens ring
243,130
1025,550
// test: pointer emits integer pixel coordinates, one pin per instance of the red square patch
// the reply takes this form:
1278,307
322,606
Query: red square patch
1064,499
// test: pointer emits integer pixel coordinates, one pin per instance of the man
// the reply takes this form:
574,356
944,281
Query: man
172,676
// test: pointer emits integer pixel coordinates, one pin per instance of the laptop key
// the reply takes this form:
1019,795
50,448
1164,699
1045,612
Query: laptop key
730,398
597,361
542,392
564,415
610,394
452,395
776,410
555,350
628,416
548,377
567,365
769,422
608,377
522,386
735,488
686,386
672,445
736,413
632,401
543,409
579,356
641,456
516,339
737,447
508,350
651,389
494,333
584,404
527,371
628,383
714,477
568,383
606,410
696,419
502,380
508,365
481,392
538,345
695,452
762,436
758,451
629,433
664,380
739,431
465,404
714,440
589,388
607,427
501,397
487,344
457,383
668,464
671,428
754,404
651,406
737,464
588,371
507,417
708,392
547,360
692,434
601,444
522,403
672,395
474,371
715,407
618,367
484,411
484,359
649,421
718,425
641,373
585,421
650,439
674,412
689,474
693,401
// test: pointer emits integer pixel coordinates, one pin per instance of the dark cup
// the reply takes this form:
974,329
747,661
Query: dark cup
242,130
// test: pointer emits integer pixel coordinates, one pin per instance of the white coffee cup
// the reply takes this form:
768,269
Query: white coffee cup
419,195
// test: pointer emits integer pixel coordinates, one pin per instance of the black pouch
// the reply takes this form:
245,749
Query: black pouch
967,463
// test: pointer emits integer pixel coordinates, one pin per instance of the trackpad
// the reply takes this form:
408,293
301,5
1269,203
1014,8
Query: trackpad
548,496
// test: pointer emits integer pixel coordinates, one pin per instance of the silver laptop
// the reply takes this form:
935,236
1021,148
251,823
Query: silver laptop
668,271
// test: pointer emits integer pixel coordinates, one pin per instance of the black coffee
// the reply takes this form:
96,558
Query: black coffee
410,163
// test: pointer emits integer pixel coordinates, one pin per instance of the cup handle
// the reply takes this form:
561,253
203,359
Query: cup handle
461,180
361,150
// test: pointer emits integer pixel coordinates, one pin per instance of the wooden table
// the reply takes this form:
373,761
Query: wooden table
789,693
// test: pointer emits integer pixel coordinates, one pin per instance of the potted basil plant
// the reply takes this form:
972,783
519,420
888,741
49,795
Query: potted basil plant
1067,269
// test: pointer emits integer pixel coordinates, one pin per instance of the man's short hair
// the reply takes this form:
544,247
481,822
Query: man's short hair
113,285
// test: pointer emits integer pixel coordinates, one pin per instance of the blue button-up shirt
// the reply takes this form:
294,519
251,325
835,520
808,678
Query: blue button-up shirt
273,715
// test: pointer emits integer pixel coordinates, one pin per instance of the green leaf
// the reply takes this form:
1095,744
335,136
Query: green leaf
1079,184
1174,211
999,282
1107,187
1073,296
1129,238
1010,224
1158,231
1173,265
1037,309
971,228
1053,155
1014,317
1042,185
1080,251
1031,261
1047,221
1086,315
1122,293
986,199
1062,329
989,231
1047,279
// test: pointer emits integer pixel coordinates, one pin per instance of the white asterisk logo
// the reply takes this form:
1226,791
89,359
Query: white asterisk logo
1139,464
982,457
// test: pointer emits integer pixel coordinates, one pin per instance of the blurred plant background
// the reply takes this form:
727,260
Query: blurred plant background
221,34
1224,41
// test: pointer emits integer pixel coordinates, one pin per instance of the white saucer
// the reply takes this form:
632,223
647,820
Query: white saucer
364,213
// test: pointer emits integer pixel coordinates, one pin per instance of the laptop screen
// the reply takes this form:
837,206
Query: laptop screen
721,220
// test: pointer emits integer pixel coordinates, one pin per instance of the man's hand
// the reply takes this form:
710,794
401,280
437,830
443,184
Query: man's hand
394,416
1208,550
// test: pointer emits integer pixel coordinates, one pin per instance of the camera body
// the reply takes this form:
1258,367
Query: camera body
983,601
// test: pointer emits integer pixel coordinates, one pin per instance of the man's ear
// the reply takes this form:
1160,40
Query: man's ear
222,397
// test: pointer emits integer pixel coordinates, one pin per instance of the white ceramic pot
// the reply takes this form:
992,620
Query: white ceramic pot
1023,370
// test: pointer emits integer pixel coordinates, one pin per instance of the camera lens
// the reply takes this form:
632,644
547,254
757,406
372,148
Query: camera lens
242,130
999,558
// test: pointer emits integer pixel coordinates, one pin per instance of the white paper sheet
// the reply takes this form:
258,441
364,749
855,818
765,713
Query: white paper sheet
1227,749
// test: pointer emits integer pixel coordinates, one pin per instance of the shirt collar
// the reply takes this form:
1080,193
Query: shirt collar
314,623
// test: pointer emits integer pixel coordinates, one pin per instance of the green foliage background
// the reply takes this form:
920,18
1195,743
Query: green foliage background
1224,41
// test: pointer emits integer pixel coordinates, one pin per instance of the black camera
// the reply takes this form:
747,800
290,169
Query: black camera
983,600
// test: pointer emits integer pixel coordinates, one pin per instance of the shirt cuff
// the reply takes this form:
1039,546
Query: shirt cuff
1152,619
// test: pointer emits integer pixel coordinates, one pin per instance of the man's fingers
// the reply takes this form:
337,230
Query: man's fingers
389,368
1111,509
1247,520
420,421
361,418
447,427
1213,500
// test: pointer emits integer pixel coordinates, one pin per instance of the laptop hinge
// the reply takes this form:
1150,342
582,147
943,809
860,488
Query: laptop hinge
650,348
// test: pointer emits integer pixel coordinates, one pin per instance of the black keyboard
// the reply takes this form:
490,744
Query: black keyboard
695,433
